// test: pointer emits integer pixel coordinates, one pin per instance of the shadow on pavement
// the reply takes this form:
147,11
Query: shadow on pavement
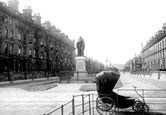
39,87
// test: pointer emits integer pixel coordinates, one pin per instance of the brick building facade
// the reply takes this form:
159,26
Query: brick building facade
29,47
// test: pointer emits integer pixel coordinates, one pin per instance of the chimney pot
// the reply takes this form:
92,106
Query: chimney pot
13,4
27,12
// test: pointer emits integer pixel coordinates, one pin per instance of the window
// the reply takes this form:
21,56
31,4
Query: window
6,19
65,60
51,47
19,50
34,53
41,43
24,51
6,49
11,34
24,39
34,40
51,57
6,32
61,59
30,53
56,49
11,49
30,40
19,36
11,21
42,55
57,58
0,28
31,30
158,48
44,44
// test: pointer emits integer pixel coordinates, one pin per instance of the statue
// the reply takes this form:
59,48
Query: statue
80,46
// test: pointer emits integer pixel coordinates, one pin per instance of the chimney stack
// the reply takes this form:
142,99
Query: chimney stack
53,28
13,4
47,24
27,12
164,27
37,18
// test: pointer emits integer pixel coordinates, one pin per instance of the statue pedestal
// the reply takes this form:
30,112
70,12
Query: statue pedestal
80,73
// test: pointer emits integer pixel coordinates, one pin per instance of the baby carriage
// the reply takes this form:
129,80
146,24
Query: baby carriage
107,100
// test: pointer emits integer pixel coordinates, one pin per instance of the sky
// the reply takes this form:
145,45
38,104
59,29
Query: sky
113,30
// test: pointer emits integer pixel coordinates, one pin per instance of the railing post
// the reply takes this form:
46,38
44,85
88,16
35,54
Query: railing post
60,77
89,105
117,101
65,75
143,93
82,104
61,109
68,74
93,103
73,107
77,75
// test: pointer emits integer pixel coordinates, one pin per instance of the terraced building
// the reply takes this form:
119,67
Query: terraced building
154,53
29,48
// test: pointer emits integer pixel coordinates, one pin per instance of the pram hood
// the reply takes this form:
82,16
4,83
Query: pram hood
106,81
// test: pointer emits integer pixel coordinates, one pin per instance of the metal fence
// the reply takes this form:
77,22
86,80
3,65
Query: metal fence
65,75
85,104
80,105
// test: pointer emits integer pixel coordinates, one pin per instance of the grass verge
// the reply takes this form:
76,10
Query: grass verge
39,87
88,87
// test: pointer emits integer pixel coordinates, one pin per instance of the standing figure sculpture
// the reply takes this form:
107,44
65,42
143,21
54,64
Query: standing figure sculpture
80,46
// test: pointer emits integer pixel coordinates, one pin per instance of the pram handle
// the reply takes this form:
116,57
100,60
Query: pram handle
138,93
134,87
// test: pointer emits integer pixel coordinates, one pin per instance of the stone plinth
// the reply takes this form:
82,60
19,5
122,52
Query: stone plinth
80,72
80,63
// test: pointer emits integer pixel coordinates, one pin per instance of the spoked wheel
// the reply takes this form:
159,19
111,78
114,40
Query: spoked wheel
145,108
105,106
137,106
140,107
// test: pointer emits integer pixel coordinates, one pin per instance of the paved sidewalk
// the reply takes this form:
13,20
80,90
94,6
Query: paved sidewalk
15,101
153,77
28,81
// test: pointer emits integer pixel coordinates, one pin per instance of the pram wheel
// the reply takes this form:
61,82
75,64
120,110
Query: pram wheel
140,107
145,108
105,105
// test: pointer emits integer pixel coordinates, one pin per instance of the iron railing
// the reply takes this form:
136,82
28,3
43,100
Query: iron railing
85,104
79,105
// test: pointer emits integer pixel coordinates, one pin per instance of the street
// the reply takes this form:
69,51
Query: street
154,91
15,101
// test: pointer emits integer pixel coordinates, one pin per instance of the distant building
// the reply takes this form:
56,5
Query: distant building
27,45
154,52
136,64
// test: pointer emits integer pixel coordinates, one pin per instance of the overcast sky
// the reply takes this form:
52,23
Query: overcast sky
112,29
